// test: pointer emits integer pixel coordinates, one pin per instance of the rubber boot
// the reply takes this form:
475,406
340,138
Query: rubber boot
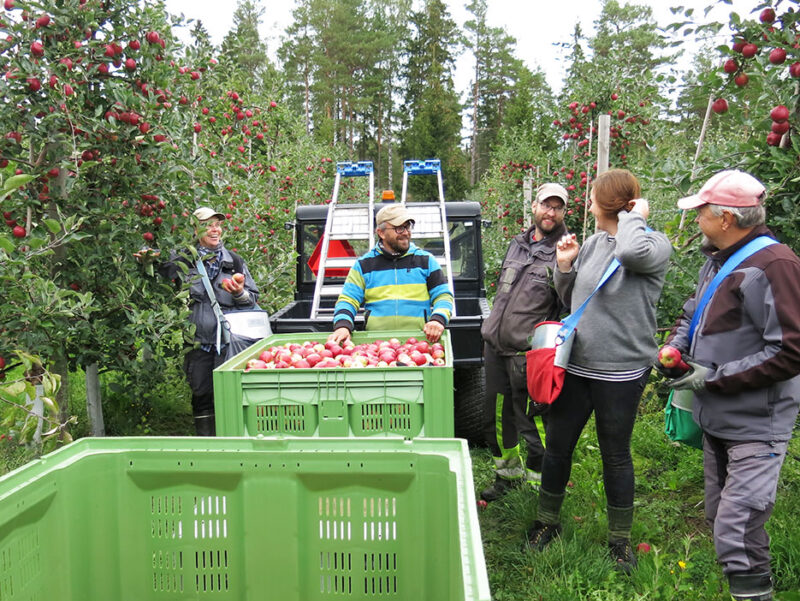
620,521
751,586
205,425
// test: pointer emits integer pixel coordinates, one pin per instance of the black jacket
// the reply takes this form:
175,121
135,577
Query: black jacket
525,293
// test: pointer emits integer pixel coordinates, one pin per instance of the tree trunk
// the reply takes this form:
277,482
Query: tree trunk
94,402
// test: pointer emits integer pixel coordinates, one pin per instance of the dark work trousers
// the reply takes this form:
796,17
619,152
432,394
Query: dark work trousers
614,405
199,367
505,415
741,480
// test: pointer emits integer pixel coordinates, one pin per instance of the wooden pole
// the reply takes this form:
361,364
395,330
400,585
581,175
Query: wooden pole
527,198
603,139
698,150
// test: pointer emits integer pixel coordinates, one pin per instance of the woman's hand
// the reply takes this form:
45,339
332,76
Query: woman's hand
641,206
566,252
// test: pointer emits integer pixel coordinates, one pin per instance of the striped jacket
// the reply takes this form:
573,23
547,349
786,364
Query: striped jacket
398,292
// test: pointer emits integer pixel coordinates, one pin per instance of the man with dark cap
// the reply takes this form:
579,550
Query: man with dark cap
742,341
401,286
525,296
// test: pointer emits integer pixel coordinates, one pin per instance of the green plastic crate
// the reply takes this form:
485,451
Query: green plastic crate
306,519
364,402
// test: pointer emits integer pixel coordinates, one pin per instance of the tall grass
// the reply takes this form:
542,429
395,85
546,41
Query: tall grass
681,563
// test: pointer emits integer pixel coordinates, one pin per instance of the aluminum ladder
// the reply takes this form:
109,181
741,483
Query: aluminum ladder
345,222
430,218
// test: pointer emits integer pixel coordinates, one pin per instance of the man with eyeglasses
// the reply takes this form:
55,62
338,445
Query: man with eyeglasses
401,286
233,288
525,296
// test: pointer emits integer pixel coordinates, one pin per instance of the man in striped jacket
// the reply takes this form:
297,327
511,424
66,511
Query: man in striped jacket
401,286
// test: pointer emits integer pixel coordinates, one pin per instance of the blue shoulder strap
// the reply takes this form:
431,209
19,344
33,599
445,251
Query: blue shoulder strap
752,247
571,321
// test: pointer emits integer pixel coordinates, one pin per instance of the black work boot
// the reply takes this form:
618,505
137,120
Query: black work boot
622,555
205,425
540,535
499,489
751,586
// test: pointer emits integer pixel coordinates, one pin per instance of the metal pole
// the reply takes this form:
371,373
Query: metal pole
698,150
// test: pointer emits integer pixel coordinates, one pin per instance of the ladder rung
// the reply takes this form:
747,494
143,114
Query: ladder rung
334,262
331,290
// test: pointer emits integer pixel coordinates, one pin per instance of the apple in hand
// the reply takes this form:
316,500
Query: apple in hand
671,359
238,278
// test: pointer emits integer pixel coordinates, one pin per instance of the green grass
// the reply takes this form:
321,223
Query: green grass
681,564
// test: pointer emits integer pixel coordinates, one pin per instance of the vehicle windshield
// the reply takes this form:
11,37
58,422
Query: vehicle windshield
463,245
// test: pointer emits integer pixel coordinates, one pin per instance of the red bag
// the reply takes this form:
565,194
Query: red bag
545,380
547,361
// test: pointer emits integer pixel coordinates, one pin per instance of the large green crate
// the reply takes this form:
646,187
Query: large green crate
308,519
363,402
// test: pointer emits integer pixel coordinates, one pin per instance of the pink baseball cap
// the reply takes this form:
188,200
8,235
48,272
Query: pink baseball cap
729,189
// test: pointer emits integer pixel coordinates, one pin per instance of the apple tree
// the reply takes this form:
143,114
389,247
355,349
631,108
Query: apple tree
95,115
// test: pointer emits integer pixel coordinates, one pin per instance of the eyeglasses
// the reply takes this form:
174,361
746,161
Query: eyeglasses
554,208
402,229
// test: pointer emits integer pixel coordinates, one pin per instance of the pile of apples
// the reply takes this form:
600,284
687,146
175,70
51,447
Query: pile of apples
380,353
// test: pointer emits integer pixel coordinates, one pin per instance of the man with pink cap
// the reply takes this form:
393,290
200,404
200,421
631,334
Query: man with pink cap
742,340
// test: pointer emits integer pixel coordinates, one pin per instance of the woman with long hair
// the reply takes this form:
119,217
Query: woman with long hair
611,356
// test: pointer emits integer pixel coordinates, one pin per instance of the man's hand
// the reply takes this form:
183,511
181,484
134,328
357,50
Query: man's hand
566,252
340,336
694,380
433,330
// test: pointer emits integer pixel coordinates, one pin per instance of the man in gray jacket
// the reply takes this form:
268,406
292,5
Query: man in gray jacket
745,355
525,296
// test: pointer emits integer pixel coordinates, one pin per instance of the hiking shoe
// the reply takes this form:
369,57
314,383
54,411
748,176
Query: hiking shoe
622,555
499,489
540,535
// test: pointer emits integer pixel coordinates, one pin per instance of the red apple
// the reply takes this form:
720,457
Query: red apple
719,106
730,66
767,15
741,79
780,128
670,357
37,49
773,139
266,357
777,56
238,278
643,548
226,283
749,50
779,113
256,364
148,236
19,231
794,69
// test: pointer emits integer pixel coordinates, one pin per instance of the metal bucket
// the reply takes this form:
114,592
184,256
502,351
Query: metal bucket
545,335
249,324
683,399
